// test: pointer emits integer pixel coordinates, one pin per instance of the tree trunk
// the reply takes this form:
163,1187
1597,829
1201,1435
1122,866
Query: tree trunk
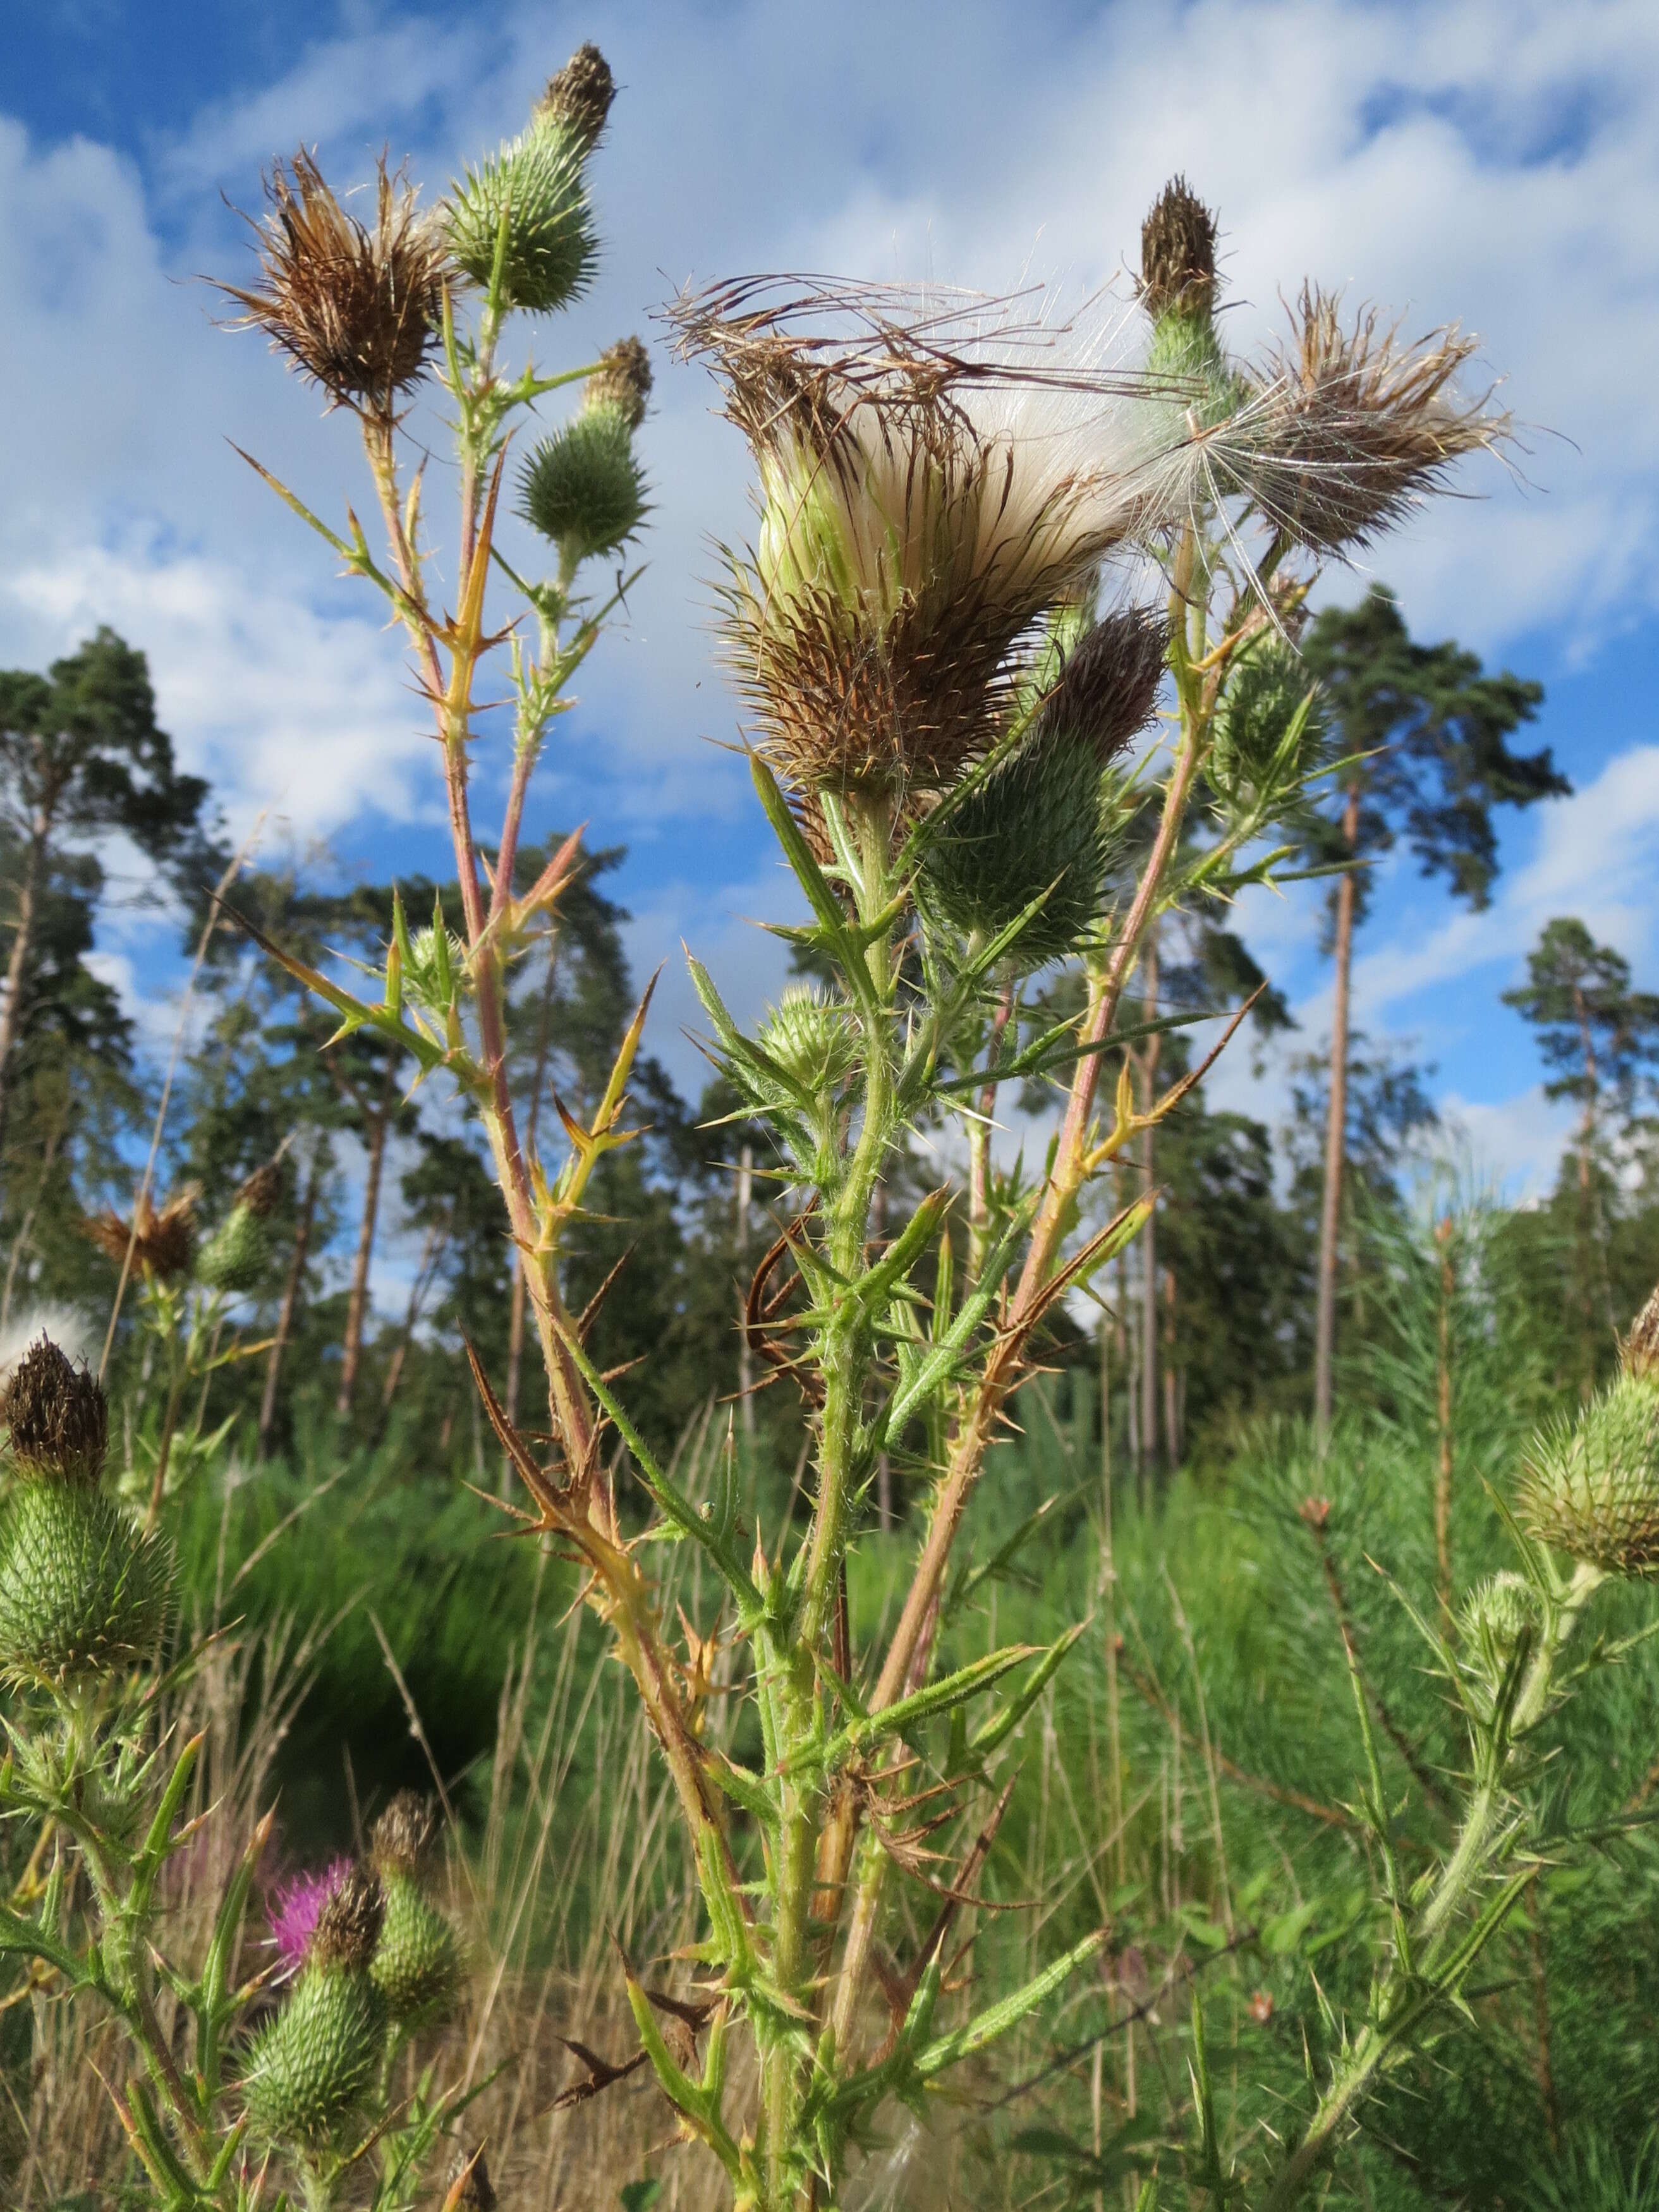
22,944
380,1128
431,1254
1336,1130
1171,1399
290,1306
1149,1234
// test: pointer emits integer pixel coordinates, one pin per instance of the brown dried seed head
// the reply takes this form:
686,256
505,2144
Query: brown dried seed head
1108,688
349,1925
579,95
469,2184
1177,252
405,1833
162,1239
621,382
263,1190
1640,1349
56,1415
355,309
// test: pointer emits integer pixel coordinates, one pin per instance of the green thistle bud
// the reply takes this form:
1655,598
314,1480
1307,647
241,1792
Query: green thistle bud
812,1038
1265,693
311,2070
82,1590
535,187
238,1251
1591,1484
55,1415
1495,1617
582,488
579,96
1177,253
417,1965
1037,824
436,968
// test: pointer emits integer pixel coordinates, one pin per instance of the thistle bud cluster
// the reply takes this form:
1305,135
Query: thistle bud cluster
1590,1485
582,488
416,1964
310,2071
83,1591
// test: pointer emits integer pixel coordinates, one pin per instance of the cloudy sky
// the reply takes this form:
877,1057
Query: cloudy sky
1485,161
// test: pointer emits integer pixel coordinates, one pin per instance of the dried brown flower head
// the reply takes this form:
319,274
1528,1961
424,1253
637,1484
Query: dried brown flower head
621,382
1346,430
262,1192
1107,690
55,1415
934,474
356,309
1177,253
579,95
405,1833
469,2184
348,1924
163,1239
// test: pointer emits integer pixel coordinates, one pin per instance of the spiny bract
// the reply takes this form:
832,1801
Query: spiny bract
311,2069
82,1590
535,186
582,489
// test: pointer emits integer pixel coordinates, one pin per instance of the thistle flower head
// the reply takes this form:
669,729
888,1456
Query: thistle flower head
621,382
933,474
294,1908
1105,690
162,1238
310,2070
1590,1483
1347,430
1177,253
403,1835
535,190
56,1416
355,308
83,1591
349,1921
813,1038
237,1253
578,97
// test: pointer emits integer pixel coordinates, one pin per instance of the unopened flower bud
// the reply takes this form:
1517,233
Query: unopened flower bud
1591,1484
1263,739
535,186
813,1039
311,2070
416,1964
1177,253
1495,1617
578,97
238,1251
582,489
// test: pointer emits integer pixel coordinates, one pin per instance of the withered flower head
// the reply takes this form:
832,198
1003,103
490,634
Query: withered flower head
1345,431
262,1192
579,95
1177,253
469,2184
1640,1350
621,383
55,1415
348,1924
163,1240
405,1833
355,309
933,474
1107,690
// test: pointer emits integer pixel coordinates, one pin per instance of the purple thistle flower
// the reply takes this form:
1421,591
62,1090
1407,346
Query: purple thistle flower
294,1908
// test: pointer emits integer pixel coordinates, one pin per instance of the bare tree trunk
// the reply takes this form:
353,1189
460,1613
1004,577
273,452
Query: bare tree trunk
25,1236
290,1306
22,944
1593,1230
380,1128
1336,1130
1149,1235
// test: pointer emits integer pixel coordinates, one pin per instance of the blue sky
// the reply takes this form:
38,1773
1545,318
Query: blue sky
1494,162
